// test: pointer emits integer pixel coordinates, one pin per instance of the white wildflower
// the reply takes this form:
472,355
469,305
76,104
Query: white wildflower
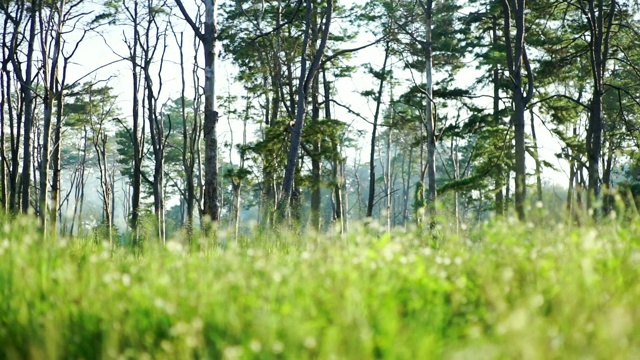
255,346
310,342
126,280
232,352
277,347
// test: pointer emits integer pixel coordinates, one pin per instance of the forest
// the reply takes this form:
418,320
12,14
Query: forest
317,113
319,179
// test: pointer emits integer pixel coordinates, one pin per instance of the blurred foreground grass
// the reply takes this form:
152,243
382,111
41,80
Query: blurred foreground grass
499,291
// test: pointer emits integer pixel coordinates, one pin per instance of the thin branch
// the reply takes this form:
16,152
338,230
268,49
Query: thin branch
575,101
188,19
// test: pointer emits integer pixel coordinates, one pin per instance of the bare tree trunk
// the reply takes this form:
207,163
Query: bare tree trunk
374,133
153,40
388,180
315,152
337,161
238,177
307,76
100,147
507,192
14,123
50,62
5,111
208,38
26,90
56,157
316,189
581,186
406,188
516,59
601,21
570,188
80,185
608,199
359,198
430,120
112,186
496,80
190,140
345,202
210,116
3,155
536,157
137,131
455,159
14,106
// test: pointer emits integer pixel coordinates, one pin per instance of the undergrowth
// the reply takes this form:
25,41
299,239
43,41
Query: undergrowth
500,290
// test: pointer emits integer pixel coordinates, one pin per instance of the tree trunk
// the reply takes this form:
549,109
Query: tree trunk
599,50
100,147
211,205
407,187
374,133
455,159
307,76
152,40
337,161
520,152
516,59
14,110
137,132
26,90
6,111
594,149
187,146
208,39
499,168
315,152
536,157
430,121
388,181
570,188
80,185
56,155
608,199
3,155
50,61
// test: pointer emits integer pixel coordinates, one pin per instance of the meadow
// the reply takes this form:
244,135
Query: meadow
498,291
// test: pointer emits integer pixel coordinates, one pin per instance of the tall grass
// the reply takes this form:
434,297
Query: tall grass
499,291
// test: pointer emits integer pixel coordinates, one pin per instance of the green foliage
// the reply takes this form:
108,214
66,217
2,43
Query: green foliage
500,291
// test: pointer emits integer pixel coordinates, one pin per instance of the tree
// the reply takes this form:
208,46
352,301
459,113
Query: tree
429,120
599,15
522,92
19,14
208,37
150,41
382,76
262,41
588,38
494,155
434,39
53,18
306,78
190,130
93,110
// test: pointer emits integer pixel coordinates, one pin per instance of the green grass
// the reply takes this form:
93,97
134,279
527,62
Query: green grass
501,291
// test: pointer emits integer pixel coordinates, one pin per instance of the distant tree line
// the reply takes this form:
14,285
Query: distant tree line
436,147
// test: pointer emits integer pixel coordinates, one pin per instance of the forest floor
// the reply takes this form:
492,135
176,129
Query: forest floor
500,290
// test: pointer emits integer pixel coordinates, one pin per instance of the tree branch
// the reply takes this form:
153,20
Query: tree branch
193,25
